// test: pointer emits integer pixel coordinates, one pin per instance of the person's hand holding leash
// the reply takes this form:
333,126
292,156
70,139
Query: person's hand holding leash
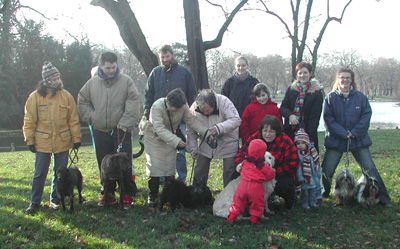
32,148
181,145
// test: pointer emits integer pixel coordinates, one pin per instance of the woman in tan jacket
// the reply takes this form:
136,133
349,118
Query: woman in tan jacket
51,128
161,140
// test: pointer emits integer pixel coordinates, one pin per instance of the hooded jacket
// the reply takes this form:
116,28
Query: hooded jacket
342,116
254,114
239,92
282,148
108,104
51,123
312,108
227,121
249,171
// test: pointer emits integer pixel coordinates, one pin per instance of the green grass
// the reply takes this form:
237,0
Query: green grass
95,227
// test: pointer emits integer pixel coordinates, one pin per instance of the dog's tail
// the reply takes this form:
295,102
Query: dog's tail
140,152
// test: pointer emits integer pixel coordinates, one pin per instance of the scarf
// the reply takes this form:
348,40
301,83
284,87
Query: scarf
298,108
341,93
259,162
241,78
310,152
103,76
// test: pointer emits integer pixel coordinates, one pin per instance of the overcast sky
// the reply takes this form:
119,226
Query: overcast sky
369,27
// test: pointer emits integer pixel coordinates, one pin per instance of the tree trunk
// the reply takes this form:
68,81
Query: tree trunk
130,31
197,58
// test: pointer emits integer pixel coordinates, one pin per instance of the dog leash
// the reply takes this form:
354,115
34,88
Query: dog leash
347,153
194,160
120,143
73,156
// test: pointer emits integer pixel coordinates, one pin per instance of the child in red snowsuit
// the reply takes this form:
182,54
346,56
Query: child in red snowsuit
254,172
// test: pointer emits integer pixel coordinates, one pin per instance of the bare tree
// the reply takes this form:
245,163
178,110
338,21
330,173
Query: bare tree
133,37
300,28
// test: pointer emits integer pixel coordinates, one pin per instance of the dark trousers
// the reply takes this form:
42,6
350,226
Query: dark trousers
285,188
154,185
107,143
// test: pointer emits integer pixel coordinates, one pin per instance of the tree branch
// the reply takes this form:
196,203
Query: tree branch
3,8
218,40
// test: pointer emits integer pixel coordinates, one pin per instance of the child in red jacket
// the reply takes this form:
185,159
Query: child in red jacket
261,105
254,172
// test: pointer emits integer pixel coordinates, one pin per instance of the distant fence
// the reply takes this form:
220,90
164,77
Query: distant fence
14,140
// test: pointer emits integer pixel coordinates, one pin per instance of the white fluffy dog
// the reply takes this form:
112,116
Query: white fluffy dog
225,198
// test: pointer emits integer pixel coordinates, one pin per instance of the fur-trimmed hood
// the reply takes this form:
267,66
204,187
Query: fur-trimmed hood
315,86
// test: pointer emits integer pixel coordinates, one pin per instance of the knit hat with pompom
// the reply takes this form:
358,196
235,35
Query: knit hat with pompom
49,71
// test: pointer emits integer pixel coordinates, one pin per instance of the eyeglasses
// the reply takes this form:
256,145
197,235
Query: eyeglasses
269,132
345,78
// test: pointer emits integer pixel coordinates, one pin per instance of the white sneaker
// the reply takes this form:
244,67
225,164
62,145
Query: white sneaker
54,206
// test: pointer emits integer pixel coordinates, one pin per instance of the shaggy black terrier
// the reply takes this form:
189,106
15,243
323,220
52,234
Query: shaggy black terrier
176,192
113,168
67,179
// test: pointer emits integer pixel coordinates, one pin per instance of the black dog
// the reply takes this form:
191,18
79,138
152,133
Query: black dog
201,195
113,168
67,179
176,192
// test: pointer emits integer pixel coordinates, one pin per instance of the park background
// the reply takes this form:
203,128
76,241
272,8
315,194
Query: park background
72,34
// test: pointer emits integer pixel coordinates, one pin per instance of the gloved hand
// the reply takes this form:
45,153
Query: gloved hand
77,145
239,167
293,120
32,148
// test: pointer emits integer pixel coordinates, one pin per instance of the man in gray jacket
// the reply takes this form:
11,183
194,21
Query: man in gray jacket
110,103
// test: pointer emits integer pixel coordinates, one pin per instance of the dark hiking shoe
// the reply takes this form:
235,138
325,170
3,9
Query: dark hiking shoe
32,209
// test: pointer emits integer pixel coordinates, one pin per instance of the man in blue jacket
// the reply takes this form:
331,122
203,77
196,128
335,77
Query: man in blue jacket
163,79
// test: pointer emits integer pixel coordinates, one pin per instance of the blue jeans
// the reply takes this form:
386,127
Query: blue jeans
42,163
181,166
363,157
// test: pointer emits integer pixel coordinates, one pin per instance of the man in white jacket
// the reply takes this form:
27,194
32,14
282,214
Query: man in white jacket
216,111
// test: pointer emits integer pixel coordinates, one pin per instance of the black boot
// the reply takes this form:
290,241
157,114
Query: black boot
32,209
154,184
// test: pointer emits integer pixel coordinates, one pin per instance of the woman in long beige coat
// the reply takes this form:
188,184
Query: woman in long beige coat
161,141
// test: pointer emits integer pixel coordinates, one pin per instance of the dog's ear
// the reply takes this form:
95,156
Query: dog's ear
338,184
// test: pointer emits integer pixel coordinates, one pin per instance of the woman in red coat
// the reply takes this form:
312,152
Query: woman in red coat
260,106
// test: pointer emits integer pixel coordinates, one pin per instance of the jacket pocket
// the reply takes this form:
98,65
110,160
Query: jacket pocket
63,114
65,135
43,112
